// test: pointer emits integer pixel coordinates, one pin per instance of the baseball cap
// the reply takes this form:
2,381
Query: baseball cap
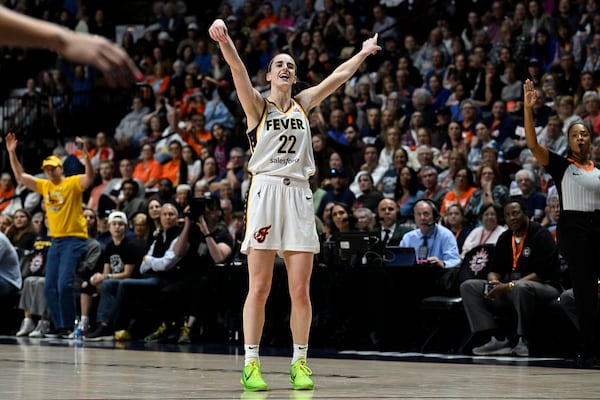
192,26
118,216
51,161
164,36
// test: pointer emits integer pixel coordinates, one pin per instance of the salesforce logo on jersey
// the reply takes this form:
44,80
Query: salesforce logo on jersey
284,161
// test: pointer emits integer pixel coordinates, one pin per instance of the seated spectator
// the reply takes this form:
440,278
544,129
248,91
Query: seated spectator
482,140
5,222
32,300
148,170
456,159
456,221
552,136
165,191
489,190
103,150
106,173
210,174
338,191
23,198
365,219
387,184
391,141
524,276
131,203
407,191
172,168
433,190
434,244
462,191
369,197
141,227
204,241
391,232
130,125
10,272
534,200
158,269
371,165
113,194
7,190
119,260
192,163
342,219
183,193
21,233
491,220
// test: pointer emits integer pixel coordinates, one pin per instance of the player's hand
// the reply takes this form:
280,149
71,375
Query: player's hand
370,45
111,60
218,31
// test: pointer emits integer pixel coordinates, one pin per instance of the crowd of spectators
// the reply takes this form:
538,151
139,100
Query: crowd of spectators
435,116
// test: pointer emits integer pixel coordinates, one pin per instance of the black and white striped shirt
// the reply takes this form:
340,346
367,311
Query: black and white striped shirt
578,186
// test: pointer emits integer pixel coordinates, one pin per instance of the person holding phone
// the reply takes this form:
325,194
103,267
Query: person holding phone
524,276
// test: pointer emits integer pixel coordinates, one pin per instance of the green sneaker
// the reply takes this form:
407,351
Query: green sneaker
252,379
157,336
300,376
185,337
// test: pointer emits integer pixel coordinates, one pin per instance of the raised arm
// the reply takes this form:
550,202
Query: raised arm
15,164
313,96
23,31
87,178
252,102
530,97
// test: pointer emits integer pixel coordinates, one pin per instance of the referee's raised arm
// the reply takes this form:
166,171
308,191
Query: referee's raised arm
530,97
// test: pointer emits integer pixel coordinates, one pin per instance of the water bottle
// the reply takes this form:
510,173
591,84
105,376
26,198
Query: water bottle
78,332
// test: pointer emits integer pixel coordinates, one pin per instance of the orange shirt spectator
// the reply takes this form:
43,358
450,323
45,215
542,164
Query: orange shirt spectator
7,190
148,170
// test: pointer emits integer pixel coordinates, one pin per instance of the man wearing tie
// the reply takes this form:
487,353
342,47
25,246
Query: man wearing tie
391,231
434,244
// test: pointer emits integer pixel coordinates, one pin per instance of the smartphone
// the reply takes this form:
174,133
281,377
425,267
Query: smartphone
487,288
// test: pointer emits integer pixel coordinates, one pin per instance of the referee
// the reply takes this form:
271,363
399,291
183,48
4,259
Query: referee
578,231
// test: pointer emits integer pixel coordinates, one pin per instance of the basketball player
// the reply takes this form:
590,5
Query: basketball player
280,217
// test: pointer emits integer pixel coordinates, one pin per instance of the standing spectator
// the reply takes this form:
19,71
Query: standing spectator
63,197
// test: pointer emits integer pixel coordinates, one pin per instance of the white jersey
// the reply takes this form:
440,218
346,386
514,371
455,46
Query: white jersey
281,144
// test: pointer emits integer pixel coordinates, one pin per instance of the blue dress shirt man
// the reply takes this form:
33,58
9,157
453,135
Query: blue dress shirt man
433,243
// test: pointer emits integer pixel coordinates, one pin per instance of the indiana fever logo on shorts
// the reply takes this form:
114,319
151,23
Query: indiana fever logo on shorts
261,234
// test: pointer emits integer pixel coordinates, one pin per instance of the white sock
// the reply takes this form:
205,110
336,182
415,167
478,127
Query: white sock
85,320
250,353
300,351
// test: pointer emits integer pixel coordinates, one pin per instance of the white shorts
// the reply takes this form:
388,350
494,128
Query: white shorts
280,216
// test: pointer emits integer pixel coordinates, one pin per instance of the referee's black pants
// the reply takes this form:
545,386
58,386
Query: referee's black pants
578,235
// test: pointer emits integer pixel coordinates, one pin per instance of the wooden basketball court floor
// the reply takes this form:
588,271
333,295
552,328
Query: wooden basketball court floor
60,369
